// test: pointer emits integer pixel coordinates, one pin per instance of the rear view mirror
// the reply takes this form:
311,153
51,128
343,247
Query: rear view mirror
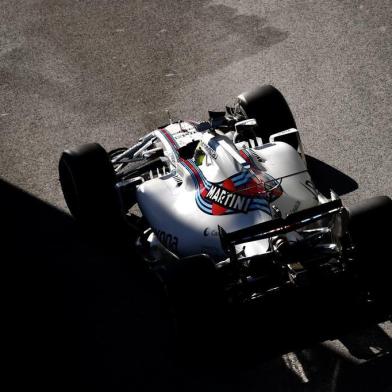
246,130
249,123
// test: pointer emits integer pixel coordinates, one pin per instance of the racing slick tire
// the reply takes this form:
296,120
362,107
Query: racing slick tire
268,107
87,180
367,225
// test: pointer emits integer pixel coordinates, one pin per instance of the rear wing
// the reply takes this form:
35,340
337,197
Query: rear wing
278,226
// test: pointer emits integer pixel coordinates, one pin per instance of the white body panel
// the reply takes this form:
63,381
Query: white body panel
185,214
180,225
281,160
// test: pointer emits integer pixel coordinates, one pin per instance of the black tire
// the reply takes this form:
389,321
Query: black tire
269,108
368,226
88,183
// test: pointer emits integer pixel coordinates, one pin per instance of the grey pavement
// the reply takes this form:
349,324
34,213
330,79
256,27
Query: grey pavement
101,71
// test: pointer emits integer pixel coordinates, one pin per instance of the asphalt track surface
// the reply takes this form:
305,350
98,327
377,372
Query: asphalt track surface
80,71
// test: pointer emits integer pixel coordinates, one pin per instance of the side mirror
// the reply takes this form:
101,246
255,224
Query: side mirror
246,131
249,123
216,119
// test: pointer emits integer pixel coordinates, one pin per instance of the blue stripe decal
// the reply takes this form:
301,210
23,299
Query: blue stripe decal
242,182
173,143
207,211
192,175
257,204
239,176
203,206
203,202
205,181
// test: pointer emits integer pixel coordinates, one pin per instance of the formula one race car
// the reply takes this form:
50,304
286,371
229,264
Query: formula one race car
229,205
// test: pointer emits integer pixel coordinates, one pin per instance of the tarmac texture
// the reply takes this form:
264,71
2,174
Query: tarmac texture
73,72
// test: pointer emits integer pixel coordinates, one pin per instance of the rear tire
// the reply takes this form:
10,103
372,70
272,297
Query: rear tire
269,108
88,183
368,226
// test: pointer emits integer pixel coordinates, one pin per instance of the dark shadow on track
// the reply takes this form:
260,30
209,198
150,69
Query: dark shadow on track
326,177
84,315
81,314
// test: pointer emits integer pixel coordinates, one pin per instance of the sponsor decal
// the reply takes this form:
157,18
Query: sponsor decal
170,241
227,199
169,138
248,190
210,232
209,150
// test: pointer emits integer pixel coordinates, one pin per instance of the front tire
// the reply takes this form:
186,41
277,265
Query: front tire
268,107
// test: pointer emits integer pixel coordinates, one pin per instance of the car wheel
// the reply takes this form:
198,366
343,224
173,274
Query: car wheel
88,183
368,223
269,108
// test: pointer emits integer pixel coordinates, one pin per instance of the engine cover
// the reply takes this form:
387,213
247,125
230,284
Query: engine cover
186,207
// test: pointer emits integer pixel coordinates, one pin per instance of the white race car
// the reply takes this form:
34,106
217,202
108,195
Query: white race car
229,203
